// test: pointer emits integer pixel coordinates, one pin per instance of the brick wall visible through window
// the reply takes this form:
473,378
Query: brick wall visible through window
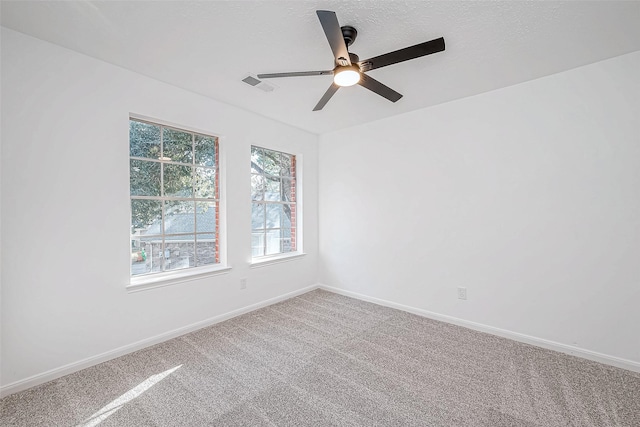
274,208
174,183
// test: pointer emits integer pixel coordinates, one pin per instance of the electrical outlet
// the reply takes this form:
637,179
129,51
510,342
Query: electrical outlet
462,293
243,283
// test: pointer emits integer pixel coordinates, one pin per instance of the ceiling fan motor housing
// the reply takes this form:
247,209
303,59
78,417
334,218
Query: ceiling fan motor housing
349,34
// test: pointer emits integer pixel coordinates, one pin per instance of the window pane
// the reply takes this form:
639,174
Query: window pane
272,189
270,162
288,190
286,164
144,178
256,162
257,244
278,215
179,252
257,187
206,216
206,253
275,215
205,183
145,215
205,150
287,245
257,216
144,140
177,146
273,242
265,161
179,217
205,237
142,257
286,216
178,181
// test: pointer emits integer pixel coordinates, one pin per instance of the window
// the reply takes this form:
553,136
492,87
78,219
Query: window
174,183
273,196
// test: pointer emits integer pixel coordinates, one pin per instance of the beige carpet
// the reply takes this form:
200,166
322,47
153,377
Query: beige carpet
322,359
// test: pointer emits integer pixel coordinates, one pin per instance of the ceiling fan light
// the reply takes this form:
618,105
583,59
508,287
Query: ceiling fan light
347,76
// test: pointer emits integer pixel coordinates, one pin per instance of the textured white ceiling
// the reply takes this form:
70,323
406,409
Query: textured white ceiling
208,47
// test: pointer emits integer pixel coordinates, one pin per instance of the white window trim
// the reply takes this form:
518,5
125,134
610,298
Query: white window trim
159,280
266,260
174,277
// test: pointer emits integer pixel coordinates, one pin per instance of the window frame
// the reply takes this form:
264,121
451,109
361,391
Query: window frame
262,260
181,275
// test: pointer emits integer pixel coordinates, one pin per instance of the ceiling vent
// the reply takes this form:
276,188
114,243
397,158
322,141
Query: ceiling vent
265,87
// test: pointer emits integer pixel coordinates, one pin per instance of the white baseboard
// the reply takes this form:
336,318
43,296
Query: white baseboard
528,339
55,373
121,351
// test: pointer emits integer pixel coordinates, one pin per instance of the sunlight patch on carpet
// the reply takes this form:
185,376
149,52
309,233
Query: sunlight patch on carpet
110,408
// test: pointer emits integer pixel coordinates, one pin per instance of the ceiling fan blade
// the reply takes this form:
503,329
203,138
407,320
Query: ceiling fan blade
331,27
377,87
412,52
296,74
326,97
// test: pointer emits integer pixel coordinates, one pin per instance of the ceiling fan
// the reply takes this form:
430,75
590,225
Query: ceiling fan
348,69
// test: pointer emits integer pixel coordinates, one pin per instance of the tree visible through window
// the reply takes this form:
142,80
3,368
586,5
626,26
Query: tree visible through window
174,198
273,196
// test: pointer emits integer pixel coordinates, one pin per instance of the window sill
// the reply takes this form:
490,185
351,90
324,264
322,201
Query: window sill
143,283
275,259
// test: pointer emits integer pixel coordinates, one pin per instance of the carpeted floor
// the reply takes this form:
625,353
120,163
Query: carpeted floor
322,359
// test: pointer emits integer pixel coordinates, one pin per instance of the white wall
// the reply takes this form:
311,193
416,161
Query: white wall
65,187
527,196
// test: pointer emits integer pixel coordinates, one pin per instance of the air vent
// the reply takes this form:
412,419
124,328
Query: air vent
251,80
266,87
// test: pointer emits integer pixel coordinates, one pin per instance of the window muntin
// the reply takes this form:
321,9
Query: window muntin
174,191
273,207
